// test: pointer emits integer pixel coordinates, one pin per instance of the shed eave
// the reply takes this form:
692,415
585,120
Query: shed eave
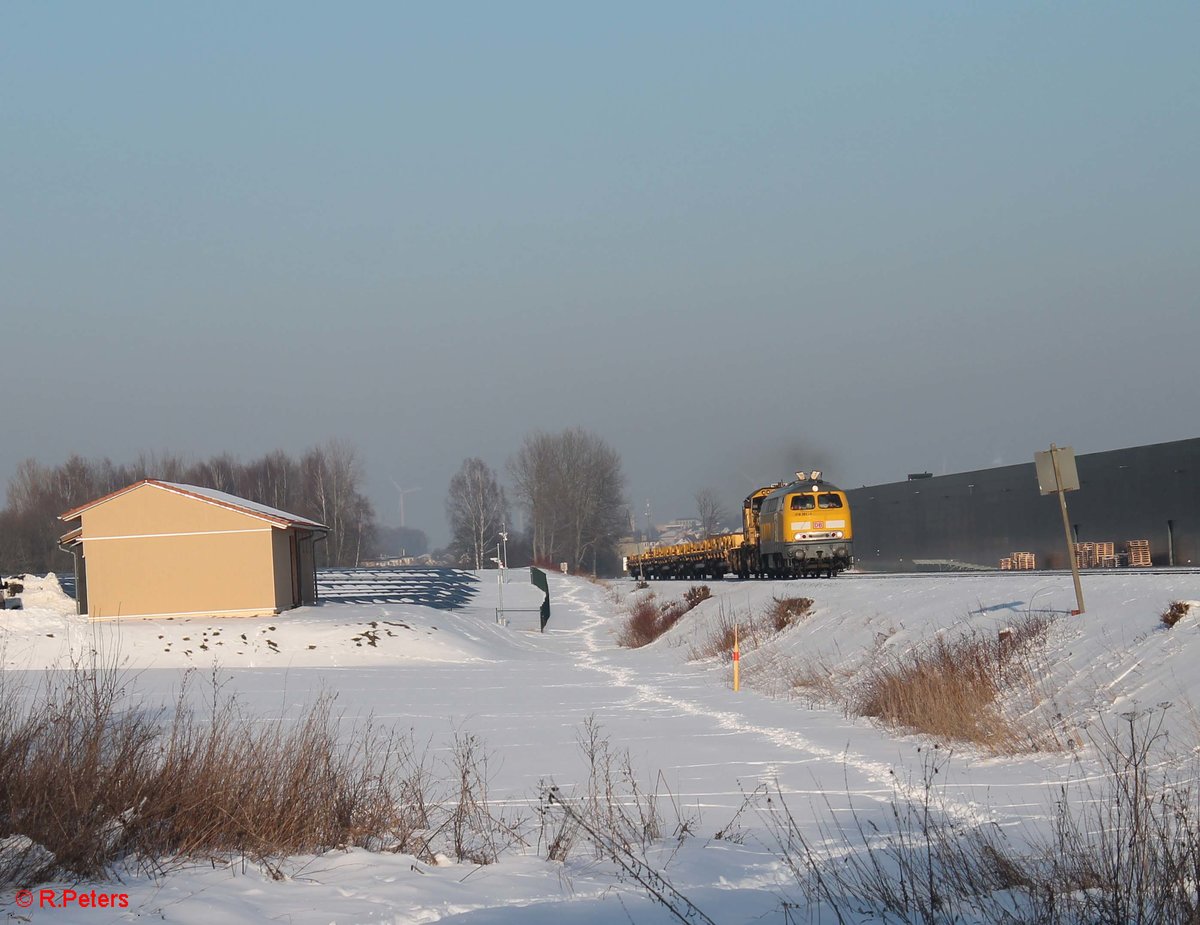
281,522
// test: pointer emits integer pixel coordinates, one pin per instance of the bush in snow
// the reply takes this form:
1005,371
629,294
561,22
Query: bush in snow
1176,612
648,620
784,611
695,595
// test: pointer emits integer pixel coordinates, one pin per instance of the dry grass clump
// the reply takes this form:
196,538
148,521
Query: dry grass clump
784,611
93,782
1123,848
649,619
817,682
621,818
753,630
1176,612
476,830
950,688
718,643
750,632
87,780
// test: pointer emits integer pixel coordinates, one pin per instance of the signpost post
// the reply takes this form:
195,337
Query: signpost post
499,560
1056,472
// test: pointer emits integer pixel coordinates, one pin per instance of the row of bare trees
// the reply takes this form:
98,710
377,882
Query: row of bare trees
477,508
323,484
570,487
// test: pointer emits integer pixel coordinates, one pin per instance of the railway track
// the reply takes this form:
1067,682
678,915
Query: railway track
1087,573
450,589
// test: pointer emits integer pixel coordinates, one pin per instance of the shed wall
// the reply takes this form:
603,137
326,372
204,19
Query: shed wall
152,552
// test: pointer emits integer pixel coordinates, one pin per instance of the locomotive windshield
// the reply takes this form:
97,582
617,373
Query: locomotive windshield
803,502
829,501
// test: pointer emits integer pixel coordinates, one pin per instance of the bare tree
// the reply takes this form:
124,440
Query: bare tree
37,494
535,473
714,516
476,508
323,485
273,480
331,475
572,488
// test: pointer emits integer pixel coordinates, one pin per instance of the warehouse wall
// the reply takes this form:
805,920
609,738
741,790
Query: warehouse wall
1147,492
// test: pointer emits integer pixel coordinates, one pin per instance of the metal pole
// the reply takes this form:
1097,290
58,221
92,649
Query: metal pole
1062,503
499,581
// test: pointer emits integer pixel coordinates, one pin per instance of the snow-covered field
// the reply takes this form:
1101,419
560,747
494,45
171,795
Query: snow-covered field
702,746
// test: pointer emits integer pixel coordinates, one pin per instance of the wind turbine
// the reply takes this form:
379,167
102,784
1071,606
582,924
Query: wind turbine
402,492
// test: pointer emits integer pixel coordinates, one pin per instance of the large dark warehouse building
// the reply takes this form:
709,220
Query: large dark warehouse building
976,519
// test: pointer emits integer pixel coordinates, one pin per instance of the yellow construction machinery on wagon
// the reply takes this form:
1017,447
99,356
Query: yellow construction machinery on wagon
797,529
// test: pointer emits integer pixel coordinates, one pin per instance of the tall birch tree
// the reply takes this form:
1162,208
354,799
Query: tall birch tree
476,508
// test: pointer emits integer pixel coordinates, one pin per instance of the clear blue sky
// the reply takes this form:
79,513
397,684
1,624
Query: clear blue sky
729,238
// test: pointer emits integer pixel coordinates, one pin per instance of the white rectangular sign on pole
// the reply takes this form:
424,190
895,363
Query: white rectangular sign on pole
1061,477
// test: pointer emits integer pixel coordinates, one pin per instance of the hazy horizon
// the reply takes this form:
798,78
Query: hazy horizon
730,240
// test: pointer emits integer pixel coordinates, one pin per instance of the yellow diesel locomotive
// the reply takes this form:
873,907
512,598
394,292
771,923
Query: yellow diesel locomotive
794,529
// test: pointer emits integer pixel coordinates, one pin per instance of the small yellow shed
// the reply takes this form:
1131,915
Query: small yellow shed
157,549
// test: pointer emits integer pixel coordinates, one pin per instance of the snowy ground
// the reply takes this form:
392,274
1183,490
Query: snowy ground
701,745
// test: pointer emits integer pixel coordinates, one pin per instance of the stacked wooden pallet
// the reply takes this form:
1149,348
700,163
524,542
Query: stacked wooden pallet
1006,564
1139,553
1023,561
1106,556
1095,555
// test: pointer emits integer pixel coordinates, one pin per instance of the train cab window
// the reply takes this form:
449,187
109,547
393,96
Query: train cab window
829,501
803,502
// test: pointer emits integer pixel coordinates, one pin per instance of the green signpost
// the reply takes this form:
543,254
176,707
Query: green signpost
538,577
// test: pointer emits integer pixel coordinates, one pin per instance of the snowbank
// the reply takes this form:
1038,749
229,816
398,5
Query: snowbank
42,592
703,748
